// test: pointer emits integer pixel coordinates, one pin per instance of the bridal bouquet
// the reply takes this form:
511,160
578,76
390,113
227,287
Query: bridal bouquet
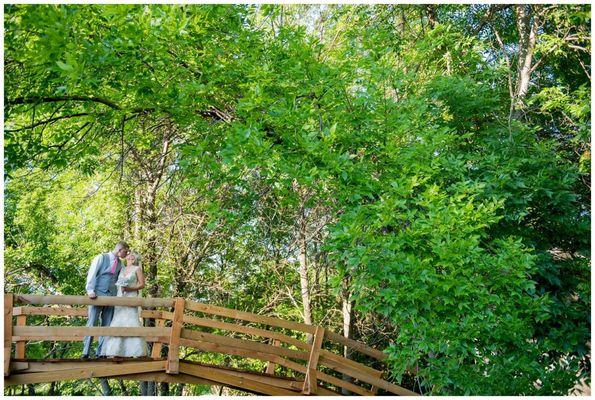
123,281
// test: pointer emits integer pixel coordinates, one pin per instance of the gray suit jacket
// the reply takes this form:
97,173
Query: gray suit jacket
101,280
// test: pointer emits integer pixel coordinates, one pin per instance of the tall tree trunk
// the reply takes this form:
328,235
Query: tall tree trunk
527,21
304,284
347,310
431,12
138,215
151,258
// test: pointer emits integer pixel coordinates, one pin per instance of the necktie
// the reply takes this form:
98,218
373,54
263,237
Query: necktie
114,265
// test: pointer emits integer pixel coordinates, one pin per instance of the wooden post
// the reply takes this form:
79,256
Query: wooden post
20,351
310,384
271,365
8,303
374,389
156,351
173,352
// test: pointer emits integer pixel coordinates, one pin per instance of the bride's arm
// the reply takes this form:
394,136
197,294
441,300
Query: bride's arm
141,281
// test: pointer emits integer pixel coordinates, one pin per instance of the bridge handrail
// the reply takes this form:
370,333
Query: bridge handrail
98,301
196,306
314,355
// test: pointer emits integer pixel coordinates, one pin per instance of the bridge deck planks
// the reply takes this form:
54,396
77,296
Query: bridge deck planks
85,371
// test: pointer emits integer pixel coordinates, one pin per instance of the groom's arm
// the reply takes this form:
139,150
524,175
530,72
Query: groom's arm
92,277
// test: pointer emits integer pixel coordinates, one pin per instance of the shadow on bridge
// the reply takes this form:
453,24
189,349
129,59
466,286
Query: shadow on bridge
293,366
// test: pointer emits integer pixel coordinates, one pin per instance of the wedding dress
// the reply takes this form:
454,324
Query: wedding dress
125,317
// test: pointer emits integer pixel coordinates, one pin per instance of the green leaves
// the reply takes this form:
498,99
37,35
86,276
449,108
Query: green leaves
64,66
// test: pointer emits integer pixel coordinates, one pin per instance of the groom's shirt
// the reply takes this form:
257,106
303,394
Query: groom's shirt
92,274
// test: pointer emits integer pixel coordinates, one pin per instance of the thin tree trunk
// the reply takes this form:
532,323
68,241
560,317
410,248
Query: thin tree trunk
431,11
31,390
106,390
180,389
147,388
138,215
527,23
164,389
305,287
347,311
123,387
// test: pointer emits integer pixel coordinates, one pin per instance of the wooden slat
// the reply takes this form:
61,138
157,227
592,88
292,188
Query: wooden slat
20,350
8,302
151,339
156,350
53,311
46,332
271,365
99,301
85,372
167,315
341,383
31,366
234,381
310,386
289,384
163,377
226,349
173,351
389,387
19,366
67,311
243,344
211,323
282,382
327,355
246,316
361,347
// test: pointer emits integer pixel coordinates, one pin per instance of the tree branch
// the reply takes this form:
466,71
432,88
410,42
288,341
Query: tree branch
47,121
42,99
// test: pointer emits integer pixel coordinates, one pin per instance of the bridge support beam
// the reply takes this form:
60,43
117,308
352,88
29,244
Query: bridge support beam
310,384
173,351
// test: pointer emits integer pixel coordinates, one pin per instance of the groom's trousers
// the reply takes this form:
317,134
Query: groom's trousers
105,313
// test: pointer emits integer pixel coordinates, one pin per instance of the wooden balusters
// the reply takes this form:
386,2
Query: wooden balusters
271,365
173,356
374,389
310,384
156,351
20,350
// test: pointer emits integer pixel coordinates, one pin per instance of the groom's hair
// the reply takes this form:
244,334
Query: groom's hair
121,245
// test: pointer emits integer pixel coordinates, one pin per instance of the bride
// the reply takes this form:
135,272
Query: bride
130,281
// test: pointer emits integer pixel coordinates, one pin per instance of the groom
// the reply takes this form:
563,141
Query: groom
101,281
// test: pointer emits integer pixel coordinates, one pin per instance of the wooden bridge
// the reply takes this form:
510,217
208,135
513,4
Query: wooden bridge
291,366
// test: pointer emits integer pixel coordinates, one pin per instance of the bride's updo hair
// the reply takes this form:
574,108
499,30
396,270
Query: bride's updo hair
136,258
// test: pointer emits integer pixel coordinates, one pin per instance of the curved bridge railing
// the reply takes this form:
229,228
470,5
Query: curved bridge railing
293,366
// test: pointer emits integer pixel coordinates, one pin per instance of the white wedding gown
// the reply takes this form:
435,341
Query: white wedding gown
125,317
